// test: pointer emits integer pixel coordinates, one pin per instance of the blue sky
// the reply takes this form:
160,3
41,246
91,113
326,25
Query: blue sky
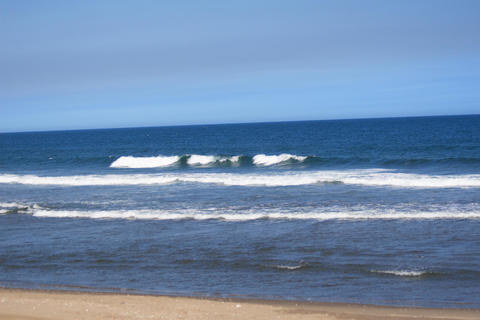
105,64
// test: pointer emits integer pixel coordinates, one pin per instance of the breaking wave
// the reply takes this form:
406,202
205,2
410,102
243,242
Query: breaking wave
364,177
17,208
302,264
189,215
144,162
403,273
203,160
242,215
167,161
264,160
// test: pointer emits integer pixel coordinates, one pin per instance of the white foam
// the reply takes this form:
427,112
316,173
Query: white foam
402,273
202,160
370,177
166,161
156,179
286,267
248,215
144,162
251,179
199,160
8,207
264,160
233,159
89,180
414,180
11,205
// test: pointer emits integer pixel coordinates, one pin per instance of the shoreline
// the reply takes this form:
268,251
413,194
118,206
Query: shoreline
29,304
79,289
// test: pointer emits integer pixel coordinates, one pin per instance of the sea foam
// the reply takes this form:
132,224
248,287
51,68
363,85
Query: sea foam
195,160
167,161
402,273
11,205
144,162
363,177
253,213
249,215
269,160
261,160
201,160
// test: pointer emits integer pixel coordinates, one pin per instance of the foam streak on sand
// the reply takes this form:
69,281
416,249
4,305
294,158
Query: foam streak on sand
365,177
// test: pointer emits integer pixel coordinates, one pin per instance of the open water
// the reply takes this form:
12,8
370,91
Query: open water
383,211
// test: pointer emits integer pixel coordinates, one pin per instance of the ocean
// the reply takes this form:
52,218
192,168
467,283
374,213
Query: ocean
380,211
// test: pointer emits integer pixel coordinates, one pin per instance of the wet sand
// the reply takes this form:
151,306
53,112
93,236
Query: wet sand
33,304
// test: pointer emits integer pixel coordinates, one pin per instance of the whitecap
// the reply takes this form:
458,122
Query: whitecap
201,160
144,162
249,215
269,160
402,273
10,204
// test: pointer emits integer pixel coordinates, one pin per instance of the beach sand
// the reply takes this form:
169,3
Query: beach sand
32,304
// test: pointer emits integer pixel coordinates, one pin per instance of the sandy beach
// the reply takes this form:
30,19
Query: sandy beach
33,304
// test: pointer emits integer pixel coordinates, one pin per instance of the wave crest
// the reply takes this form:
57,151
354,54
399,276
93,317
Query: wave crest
201,160
144,162
264,160
261,160
402,273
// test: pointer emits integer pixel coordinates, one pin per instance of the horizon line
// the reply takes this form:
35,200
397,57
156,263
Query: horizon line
237,123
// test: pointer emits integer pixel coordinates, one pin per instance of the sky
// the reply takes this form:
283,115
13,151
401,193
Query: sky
110,64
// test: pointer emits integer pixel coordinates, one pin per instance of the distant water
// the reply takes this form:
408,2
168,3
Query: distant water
383,211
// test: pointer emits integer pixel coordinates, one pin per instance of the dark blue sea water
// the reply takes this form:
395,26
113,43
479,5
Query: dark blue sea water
382,211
